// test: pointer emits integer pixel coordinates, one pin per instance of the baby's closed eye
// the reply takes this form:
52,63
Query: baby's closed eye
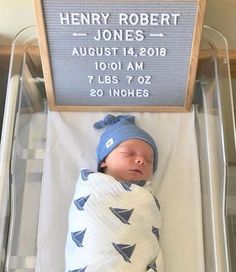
127,153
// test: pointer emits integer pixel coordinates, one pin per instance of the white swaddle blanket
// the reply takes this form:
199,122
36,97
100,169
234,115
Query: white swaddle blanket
113,226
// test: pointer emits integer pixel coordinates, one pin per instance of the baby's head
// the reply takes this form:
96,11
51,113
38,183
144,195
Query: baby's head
125,151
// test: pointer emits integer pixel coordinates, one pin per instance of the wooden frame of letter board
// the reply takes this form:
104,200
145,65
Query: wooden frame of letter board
44,51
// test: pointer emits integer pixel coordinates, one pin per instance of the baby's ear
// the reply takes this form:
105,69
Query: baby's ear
103,167
103,164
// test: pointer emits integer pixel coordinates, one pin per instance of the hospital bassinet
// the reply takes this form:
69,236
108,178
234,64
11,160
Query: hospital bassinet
28,127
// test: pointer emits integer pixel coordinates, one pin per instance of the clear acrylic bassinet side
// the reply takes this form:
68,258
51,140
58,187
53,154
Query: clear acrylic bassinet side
215,128
22,153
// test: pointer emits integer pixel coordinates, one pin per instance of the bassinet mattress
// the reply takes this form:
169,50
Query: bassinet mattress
71,145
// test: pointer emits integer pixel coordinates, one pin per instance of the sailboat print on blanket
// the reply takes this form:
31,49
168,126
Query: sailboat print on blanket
78,237
79,270
125,250
126,185
80,202
122,214
156,232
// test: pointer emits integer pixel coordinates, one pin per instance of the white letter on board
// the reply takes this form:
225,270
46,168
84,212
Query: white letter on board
65,18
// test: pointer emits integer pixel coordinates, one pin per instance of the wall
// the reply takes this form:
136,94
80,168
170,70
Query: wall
14,16
220,14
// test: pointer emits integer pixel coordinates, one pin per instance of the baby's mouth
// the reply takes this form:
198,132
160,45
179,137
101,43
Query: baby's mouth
137,171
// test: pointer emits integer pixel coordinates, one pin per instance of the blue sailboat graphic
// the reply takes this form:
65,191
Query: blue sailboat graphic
122,214
156,232
80,202
157,203
141,183
78,237
85,173
79,270
125,250
152,266
126,185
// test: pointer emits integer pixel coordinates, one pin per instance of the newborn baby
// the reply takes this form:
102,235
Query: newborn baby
114,220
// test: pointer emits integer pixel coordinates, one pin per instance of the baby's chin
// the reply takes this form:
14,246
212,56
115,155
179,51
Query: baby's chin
139,182
129,176
133,179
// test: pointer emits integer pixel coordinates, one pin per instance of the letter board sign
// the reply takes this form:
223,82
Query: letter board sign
119,55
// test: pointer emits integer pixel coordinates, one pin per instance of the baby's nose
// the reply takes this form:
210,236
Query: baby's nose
140,160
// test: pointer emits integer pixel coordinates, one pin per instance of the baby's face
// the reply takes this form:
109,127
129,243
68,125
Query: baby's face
132,160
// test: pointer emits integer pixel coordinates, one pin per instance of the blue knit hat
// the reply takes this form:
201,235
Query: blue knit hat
119,129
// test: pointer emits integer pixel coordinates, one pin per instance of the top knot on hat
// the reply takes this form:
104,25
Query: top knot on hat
111,120
119,129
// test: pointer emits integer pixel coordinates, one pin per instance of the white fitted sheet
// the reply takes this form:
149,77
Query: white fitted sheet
71,144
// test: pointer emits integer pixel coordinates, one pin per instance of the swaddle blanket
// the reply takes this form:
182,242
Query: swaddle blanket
113,226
